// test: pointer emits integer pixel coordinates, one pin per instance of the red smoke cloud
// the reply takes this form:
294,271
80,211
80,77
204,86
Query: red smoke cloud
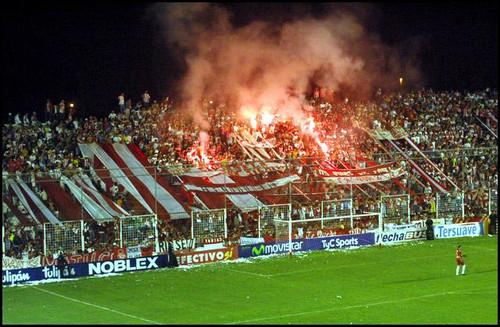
259,63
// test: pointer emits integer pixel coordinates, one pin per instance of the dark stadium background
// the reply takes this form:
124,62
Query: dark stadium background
89,53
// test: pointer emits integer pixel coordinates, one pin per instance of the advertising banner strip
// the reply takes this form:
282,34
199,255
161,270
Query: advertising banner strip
307,244
402,235
398,227
29,275
199,257
458,230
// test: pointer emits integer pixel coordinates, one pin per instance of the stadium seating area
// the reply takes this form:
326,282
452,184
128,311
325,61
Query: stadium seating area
154,159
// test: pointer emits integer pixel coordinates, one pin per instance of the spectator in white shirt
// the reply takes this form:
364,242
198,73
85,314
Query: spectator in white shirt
146,98
121,102
17,119
62,109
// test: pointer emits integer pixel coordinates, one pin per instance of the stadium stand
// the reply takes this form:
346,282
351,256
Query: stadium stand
420,143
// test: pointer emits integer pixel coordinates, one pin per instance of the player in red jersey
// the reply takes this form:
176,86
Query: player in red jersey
460,260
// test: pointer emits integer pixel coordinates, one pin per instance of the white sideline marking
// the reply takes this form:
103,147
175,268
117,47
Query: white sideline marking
355,306
97,306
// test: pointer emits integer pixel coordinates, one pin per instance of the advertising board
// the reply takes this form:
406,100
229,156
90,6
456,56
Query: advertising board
412,225
199,257
251,240
340,242
458,230
402,233
134,251
29,275
178,245
308,244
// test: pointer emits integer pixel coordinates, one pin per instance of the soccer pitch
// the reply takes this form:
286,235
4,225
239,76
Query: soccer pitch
413,283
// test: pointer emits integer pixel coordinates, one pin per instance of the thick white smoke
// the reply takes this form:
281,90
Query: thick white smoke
270,64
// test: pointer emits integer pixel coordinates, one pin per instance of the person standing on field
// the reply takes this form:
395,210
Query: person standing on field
460,260
493,223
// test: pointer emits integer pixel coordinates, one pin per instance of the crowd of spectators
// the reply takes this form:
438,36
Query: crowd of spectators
454,129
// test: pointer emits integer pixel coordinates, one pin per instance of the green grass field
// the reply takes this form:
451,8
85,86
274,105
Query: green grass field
405,284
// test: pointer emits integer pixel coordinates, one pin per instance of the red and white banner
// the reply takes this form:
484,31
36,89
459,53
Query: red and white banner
13,263
255,146
422,173
382,134
161,195
196,258
116,253
359,176
205,185
115,171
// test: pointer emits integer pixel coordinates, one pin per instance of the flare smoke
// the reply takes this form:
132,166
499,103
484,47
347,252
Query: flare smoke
271,64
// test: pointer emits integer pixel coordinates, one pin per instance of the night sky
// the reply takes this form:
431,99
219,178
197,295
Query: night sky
89,53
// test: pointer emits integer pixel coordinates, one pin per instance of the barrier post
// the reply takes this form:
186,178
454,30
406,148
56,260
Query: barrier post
192,224
225,223
351,205
157,244
82,237
290,234
322,216
44,240
258,223
437,206
380,227
156,187
463,205
121,232
408,208
489,201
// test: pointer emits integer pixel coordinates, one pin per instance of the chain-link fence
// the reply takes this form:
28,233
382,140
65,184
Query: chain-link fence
449,206
208,224
268,215
336,208
395,209
67,237
79,236
138,230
